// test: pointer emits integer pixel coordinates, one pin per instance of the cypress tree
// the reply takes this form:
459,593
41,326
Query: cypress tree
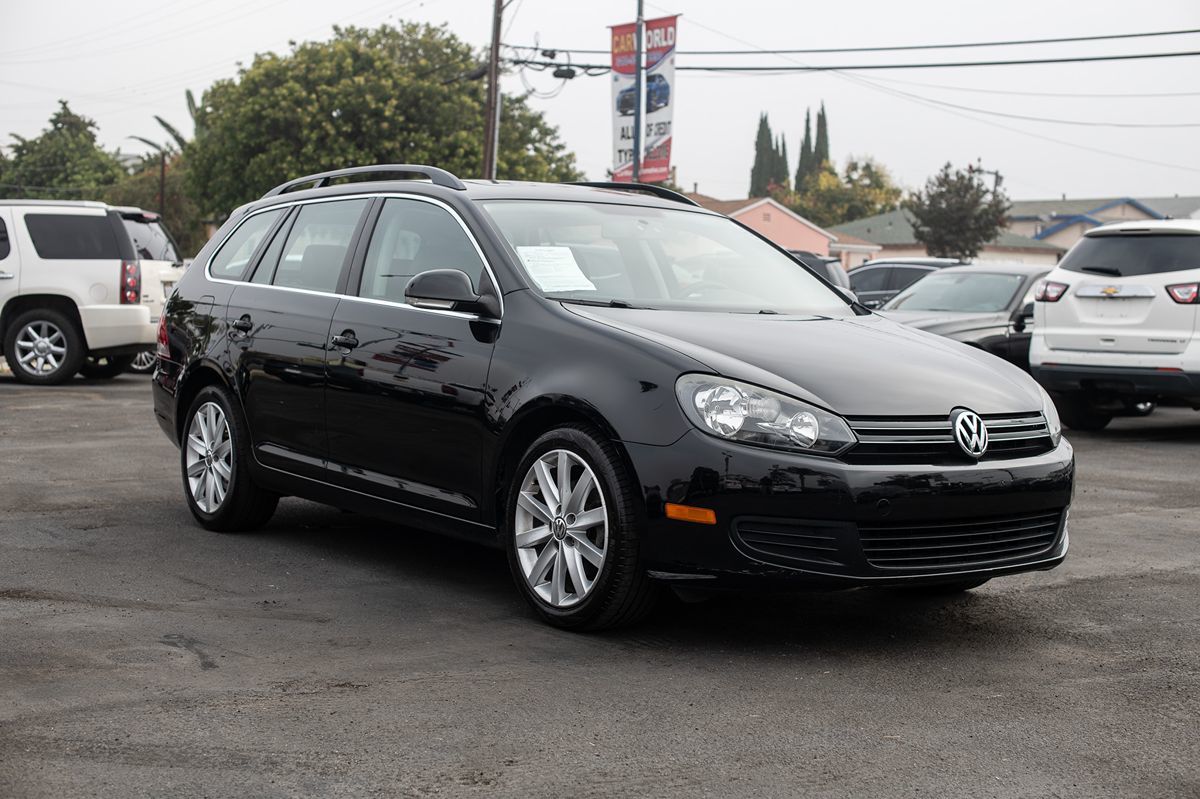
764,151
821,148
782,176
804,168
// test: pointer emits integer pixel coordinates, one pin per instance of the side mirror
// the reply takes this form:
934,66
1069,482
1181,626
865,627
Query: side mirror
1023,318
449,290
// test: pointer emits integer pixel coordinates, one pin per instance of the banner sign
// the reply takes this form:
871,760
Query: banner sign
659,77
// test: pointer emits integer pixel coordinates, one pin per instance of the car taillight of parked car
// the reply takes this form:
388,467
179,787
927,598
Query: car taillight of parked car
1049,291
1185,293
131,283
163,349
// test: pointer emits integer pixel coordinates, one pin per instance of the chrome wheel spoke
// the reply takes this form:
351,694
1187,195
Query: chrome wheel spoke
560,541
209,457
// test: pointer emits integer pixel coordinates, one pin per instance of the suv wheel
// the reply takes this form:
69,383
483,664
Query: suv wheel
573,532
105,367
43,347
213,457
144,362
1078,413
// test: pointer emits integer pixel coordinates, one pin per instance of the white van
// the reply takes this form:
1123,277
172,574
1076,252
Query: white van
1115,323
70,291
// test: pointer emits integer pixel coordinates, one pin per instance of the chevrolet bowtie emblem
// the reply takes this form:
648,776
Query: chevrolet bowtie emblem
1110,291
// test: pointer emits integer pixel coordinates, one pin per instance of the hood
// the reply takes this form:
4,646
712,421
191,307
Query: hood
948,323
855,366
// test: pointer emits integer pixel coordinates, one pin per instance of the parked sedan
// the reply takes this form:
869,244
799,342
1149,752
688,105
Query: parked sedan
989,306
876,282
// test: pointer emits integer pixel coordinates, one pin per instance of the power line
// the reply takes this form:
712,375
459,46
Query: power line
749,68
880,49
1066,95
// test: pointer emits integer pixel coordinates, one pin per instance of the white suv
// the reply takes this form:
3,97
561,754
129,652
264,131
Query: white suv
70,291
1115,323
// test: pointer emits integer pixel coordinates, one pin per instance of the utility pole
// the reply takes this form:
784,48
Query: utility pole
491,133
637,92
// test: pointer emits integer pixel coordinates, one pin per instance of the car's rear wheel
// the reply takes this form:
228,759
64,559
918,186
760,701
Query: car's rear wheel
573,531
43,347
143,363
1078,413
105,367
214,457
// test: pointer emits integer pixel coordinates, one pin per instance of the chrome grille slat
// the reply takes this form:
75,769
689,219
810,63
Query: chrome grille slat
924,439
959,544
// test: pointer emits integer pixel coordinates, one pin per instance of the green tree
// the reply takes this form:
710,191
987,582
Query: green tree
804,167
391,94
956,214
821,148
180,215
64,161
863,189
764,153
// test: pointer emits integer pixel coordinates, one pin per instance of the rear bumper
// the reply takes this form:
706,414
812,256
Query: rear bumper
108,327
1121,381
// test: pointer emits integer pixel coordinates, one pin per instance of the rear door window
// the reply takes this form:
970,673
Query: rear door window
869,279
317,246
231,260
73,237
1129,256
5,247
905,276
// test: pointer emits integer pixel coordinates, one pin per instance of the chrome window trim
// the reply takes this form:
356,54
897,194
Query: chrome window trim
342,198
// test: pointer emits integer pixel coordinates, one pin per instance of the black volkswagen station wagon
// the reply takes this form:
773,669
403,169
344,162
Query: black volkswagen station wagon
620,388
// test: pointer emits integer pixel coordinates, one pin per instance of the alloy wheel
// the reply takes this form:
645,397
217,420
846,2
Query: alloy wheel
41,348
144,361
561,528
209,457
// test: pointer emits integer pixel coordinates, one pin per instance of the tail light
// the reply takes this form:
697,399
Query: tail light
163,350
1185,293
1049,291
131,283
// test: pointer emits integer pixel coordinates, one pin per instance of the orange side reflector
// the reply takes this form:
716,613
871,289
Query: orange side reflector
686,513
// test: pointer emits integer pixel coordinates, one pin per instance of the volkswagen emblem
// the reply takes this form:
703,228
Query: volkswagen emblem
970,432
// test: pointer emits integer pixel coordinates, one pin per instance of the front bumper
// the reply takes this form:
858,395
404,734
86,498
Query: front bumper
1122,381
804,520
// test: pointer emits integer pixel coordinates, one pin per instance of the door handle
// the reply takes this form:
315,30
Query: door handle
244,324
346,340
6,275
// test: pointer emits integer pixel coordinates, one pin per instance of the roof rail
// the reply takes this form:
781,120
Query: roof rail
644,188
439,177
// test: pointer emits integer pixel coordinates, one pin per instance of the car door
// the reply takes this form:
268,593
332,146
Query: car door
278,328
10,263
407,385
870,285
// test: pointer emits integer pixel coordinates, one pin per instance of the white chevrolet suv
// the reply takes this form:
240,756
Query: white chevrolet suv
70,291
1115,323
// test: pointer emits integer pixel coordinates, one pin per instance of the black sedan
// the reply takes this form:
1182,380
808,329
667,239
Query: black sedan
989,306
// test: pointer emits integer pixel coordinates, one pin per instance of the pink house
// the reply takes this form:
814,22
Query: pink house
782,226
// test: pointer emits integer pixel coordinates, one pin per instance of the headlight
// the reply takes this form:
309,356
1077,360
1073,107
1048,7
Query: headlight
1053,423
742,412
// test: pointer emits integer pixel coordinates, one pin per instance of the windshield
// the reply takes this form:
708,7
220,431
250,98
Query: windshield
656,258
1125,256
966,292
150,240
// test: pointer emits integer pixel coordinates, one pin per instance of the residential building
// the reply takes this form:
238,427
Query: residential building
774,220
1063,222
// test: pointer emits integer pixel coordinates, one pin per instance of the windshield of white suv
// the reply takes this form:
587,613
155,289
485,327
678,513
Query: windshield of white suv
963,292
624,255
1137,254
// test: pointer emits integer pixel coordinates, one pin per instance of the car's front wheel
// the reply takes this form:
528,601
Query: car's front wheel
573,531
214,457
143,363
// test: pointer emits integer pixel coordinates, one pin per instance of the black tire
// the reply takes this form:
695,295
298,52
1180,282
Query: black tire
68,361
1078,413
622,593
105,367
945,589
244,506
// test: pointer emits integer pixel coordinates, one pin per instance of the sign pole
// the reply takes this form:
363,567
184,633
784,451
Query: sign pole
639,45
491,125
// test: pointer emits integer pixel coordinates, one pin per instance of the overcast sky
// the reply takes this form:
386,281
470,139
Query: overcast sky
120,63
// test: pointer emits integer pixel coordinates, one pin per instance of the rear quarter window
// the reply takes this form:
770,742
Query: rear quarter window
1129,256
73,237
5,247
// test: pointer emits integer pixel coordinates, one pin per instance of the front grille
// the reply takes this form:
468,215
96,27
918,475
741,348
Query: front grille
930,439
787,542
940,546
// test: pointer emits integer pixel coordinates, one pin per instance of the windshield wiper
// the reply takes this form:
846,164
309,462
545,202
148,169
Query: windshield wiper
602,303
1102,270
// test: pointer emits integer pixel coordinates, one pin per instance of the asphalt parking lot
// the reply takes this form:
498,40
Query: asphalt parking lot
336,655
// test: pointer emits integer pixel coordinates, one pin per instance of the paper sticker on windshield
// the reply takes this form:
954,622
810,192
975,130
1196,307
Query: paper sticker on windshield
554,269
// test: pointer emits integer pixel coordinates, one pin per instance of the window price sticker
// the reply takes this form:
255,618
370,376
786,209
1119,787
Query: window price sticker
554,269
